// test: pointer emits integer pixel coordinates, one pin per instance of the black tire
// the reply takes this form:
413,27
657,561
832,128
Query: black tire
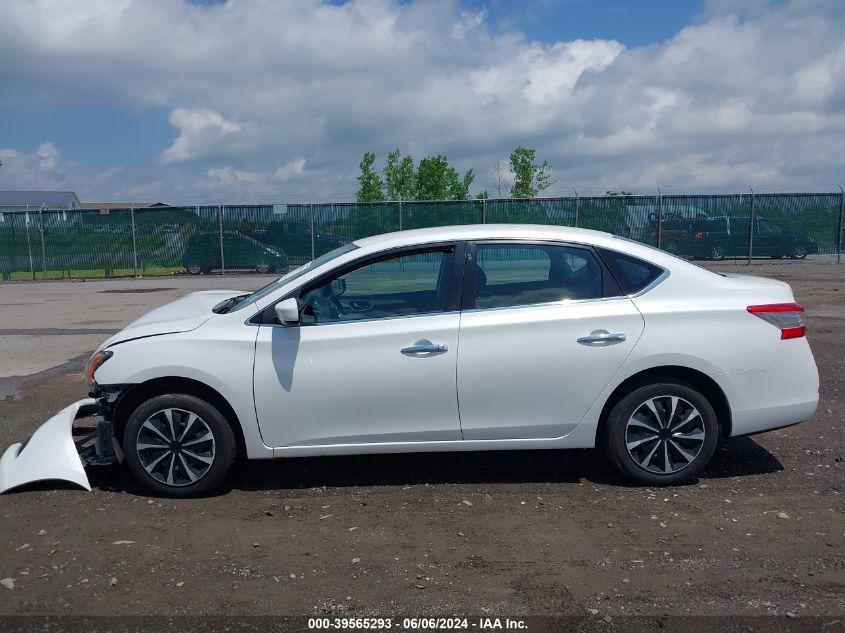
799,251
193,269
263,269
617,433
717,253
223,446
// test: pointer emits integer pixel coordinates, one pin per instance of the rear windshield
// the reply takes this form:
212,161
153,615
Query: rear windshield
632,273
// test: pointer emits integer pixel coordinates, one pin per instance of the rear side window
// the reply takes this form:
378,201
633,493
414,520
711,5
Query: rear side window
716,225
508,275
632,273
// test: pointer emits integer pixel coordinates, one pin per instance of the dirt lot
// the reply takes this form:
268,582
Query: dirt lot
761,533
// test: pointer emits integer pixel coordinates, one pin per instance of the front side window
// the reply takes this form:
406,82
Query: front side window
508,275
405,285
291,276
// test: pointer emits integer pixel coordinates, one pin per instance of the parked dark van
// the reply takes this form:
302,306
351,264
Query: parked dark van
727,236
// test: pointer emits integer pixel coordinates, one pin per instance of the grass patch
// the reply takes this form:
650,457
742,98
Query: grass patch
94,273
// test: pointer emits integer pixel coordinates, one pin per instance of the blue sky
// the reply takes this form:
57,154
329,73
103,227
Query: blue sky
632,23
141,132
278,99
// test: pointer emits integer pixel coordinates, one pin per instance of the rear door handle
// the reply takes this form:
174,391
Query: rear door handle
425,347
602,336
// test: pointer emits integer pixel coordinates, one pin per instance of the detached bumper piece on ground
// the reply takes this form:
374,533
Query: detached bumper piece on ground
56,452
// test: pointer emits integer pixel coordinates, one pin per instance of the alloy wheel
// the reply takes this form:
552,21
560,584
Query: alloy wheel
175,447
664,435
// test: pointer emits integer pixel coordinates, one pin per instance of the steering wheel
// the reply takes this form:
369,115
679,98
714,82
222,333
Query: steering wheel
323,308
336,307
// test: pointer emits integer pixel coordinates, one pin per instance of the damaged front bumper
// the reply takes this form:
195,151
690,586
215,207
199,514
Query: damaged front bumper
52,453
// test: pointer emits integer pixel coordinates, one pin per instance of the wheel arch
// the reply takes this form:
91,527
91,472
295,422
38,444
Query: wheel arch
709,388
130,399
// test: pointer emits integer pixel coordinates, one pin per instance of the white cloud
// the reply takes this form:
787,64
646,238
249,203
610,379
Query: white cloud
42,168
229,176
291,170
48,156
254,183
200,131
255,91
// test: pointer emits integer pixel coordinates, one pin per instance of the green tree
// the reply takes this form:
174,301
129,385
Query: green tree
529,177
400,177
437,180
459,189
482,195
372,187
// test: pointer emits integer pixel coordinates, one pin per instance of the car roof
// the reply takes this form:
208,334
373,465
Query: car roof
538,232
482,232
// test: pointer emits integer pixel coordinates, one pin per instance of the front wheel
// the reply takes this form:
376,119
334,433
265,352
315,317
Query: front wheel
178,445
263,269
661,434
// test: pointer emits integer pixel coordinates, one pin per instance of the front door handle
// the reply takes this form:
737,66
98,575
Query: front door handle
425,347
602,336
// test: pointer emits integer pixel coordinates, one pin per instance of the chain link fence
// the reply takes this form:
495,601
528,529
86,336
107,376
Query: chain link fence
49,243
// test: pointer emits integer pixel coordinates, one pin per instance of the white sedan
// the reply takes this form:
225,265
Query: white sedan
461,338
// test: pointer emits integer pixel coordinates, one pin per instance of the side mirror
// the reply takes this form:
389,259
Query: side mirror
288,311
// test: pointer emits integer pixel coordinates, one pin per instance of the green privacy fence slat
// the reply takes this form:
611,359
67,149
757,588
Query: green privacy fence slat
55,243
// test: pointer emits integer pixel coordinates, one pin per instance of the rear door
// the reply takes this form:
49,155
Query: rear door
769,239
543,330
738,237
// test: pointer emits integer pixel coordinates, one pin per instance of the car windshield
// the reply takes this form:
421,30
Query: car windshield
291,276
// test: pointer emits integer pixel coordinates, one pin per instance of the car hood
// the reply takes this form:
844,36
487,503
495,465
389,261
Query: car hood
182,315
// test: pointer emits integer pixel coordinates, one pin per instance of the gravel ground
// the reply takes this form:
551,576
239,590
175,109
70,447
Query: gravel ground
762,532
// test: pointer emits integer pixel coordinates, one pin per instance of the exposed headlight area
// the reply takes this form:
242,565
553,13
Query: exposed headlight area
94,364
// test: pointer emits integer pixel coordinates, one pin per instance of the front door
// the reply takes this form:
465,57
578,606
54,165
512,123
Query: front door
540,339
373,359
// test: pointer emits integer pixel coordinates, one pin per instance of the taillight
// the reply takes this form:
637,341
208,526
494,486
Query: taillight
788,317
699,235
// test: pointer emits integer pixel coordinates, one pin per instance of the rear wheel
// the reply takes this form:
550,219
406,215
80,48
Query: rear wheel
194,269
717,253
177,445
263,269
661,434
799,251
